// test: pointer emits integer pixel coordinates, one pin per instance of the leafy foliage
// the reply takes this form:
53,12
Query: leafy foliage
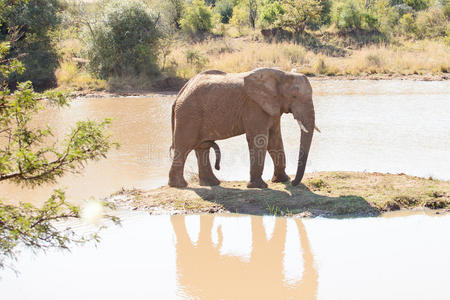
414,4
347,15
253,6
177,12
125,42
271,13
24,159
28,157
299,13
28,23
241,16
431,23
36,228
198,19
225,10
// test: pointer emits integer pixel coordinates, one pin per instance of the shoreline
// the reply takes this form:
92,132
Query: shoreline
170,91
321,194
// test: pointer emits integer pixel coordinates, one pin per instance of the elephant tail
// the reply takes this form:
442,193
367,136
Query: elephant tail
212,144
218,155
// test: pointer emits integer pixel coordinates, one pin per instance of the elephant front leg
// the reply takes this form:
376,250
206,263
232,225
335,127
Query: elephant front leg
276,151
257,144
205,173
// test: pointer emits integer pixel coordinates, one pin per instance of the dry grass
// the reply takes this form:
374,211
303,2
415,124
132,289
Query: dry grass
246,53
324,193
239,55
70,75
72,71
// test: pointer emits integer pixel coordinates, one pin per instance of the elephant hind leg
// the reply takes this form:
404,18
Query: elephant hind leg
176,177
205,173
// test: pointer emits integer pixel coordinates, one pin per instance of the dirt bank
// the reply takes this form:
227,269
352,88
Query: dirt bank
330,194
171,86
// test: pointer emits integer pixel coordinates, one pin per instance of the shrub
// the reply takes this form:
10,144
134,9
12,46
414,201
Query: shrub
324,15
347,15
299,13
320,66
198,19
373,60
446,8
176,12
28,156
431,23
225,9
407,25
414,4
271,12
240,17
125,43
33,19
350,15
387,16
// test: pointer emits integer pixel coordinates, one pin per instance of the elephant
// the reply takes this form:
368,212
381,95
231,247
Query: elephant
204,273
216,105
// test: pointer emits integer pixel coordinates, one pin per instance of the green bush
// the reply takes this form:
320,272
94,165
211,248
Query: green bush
29,155
198,19
407,25
388,16
270,13
125,42
418,4
350,15
298,14
225,9
324,15
241,16
33,20
347,15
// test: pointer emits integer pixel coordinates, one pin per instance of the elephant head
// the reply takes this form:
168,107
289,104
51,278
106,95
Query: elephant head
279,92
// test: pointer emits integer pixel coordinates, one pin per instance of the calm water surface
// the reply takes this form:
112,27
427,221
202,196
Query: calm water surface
246,257
385,126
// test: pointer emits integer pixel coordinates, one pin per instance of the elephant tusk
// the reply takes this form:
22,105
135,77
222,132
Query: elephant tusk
317,129
302,127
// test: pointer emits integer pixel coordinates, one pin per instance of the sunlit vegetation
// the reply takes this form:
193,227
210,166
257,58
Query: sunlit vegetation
27,156
113,44
419,57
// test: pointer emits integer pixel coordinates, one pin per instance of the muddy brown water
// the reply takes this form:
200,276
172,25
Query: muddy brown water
384,126
245,257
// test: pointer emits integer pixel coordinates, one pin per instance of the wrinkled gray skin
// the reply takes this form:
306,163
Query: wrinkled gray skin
215,105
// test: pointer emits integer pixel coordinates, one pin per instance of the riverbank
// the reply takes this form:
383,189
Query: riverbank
171,86
426,60
328,194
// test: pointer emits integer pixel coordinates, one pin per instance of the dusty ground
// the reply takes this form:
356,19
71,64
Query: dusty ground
331,194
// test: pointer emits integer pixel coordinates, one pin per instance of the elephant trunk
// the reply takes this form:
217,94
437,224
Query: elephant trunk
307,132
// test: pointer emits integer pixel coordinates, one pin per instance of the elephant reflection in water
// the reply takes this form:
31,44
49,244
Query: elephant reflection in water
204,273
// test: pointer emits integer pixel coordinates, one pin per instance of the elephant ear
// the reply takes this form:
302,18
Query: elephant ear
261,85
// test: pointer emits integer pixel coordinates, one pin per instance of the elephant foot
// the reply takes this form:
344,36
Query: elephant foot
281,178
257,184
209,181
179,183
